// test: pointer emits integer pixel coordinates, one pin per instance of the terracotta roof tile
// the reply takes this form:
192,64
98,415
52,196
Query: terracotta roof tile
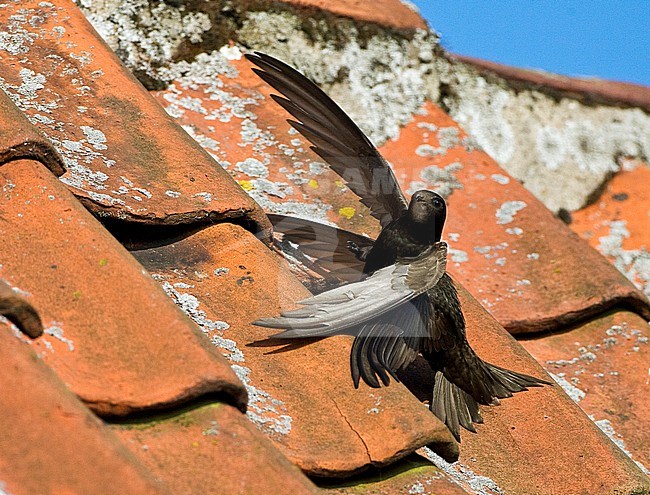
390,13
19,139
603,365
616,224
49,442
523,264
125,158
225,278
588,89
212,448
539,441
111,333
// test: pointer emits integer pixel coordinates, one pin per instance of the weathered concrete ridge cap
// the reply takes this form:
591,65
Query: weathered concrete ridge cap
110,333
212,449
391,13
591,89
524,265
302,395
125,158
20,139
50,442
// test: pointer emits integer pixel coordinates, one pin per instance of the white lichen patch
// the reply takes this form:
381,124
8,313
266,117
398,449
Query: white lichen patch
491,252
569,388
252,168
55,330
458,256
507,211
463,475
500,179
633,263
443,180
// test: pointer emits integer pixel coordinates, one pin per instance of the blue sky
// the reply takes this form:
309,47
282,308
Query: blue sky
606,39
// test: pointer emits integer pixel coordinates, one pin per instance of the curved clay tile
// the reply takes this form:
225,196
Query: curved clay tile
50,442
110,333
125,158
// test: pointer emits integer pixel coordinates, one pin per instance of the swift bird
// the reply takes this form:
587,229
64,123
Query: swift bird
405,304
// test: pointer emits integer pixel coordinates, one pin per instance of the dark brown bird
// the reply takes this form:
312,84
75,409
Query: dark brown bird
405,303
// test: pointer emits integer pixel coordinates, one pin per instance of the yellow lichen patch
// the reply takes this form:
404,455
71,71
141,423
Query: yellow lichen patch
246,185
339,183
313,183
347,212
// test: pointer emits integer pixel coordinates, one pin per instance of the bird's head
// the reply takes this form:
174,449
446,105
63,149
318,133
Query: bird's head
429,210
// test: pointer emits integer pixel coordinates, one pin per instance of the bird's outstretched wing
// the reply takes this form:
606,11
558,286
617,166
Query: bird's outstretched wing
344,309
331,247
335,138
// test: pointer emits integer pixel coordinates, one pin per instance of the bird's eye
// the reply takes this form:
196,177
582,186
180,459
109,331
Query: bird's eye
437,203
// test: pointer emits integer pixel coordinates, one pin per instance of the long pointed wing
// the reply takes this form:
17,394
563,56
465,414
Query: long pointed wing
343,309
336,138
327,245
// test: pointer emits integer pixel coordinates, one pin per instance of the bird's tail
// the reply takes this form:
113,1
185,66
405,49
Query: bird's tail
503,382
481,382
454,406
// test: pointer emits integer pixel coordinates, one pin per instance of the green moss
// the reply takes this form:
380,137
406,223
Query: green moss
184,417
398,474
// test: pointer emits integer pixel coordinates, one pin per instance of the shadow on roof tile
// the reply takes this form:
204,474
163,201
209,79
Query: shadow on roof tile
413,475
49,442
110,332
15,308
124,157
